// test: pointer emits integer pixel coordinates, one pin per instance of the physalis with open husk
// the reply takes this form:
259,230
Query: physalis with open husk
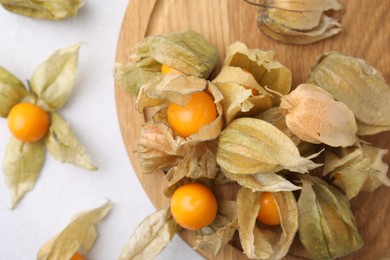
181,52
261,241
35,123
298,22
185,149
357,84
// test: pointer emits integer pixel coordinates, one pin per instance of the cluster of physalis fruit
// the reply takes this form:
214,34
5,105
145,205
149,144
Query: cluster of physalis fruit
245,128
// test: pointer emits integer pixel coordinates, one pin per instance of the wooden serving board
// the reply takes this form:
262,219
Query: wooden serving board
366,34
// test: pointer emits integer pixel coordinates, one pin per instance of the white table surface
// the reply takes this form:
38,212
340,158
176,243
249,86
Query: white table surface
64,190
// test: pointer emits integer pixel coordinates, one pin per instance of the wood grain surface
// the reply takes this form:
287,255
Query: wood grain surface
366,34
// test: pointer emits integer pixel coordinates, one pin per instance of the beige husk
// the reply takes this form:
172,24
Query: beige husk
44,9
262,65
313,115
12,91
358,168
301,22
21,167
215,237
185,51
327,227
250,146
79,235
242,95
270,182
151,236
53,79
357,84
63,145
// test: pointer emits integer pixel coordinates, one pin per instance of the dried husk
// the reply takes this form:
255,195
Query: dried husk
357,84
131,76
327,227
182,160
276,118
270,182
262,65
53,80
198,163
242,95
178,89
157,149
250,146
214,237
63,146
314,116
295,22
21,167
359,168
151,236
261,241
44,9
12,91
79,235
185,51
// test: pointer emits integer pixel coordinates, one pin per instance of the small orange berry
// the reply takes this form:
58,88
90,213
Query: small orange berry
199,111
165,69
268,213
77,256
194,206
28,122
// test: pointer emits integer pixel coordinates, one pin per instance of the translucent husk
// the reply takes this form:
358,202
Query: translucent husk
182,160
250,146
12,91
217,235
44,9
327,227
314,116
270,182
276,118
54,79
261,241
185,51
357,84
242,95
22,165
295,22
63,145
79,235
358,168
151,236
267,72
